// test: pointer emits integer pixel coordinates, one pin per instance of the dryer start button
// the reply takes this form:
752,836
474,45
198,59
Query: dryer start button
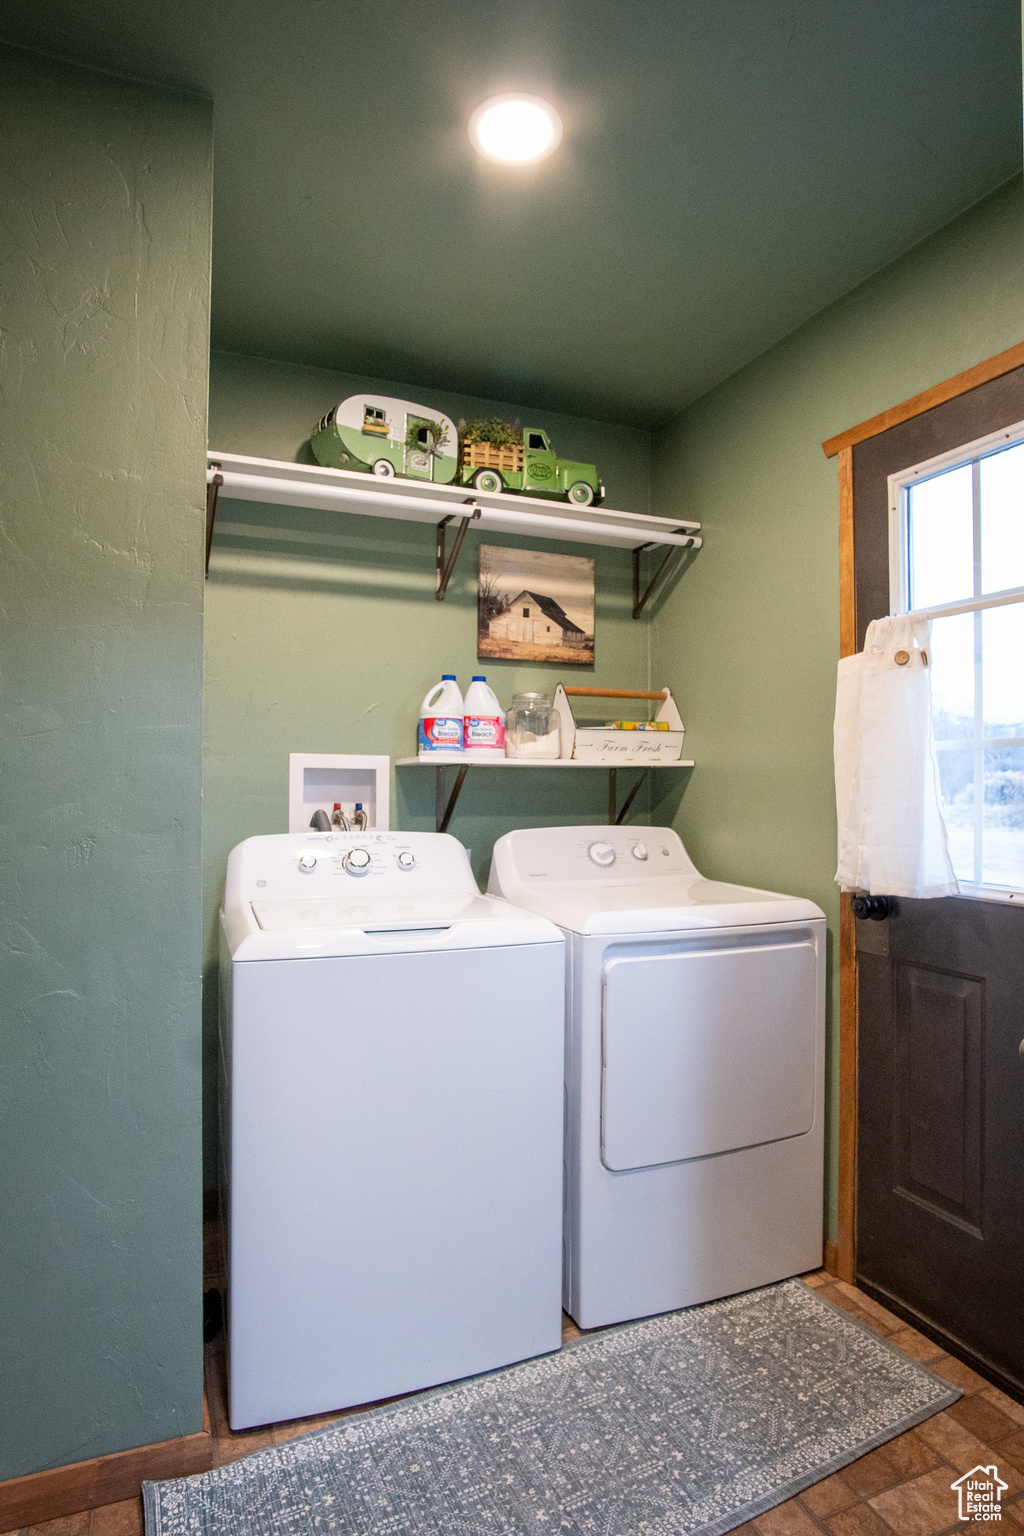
602,853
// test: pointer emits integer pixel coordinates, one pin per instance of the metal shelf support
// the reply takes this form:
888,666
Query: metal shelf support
213,485
443,807
617,816
446,567
640,602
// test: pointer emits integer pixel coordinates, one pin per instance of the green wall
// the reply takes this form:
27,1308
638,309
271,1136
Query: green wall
323,635
104,287
755,624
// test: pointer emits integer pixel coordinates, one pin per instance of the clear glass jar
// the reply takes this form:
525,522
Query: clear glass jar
531,727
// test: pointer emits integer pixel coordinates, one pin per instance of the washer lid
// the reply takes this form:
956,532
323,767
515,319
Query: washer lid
380,914
286,928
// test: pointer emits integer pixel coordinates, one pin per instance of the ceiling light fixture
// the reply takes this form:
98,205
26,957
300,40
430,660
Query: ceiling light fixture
515,129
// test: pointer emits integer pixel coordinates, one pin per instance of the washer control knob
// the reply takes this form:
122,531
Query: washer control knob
407,860
307,863
356,861
602,853
640,852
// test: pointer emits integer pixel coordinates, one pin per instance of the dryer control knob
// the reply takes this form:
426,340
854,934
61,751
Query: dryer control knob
307,862
407,860
602,853
357,861
640,851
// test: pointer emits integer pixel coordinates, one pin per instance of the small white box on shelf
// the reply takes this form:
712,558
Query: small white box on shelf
317,781
616,747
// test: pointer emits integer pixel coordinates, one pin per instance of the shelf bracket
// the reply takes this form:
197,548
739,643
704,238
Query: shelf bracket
211,510
640,602
446,567
615,816
443,808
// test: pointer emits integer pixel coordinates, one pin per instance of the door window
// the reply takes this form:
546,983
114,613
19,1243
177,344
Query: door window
956,547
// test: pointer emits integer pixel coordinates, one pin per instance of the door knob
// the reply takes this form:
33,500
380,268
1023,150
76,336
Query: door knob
877,908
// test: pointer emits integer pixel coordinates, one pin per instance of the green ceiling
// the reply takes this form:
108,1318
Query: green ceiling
728,168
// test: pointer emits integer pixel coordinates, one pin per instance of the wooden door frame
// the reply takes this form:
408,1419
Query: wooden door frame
841,1257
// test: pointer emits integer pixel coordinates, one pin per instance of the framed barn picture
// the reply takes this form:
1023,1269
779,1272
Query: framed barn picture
535,606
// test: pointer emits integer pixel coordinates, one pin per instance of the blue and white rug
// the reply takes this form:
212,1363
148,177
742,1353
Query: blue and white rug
682,1425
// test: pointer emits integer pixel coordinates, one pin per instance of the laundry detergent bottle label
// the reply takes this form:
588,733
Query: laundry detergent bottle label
440,733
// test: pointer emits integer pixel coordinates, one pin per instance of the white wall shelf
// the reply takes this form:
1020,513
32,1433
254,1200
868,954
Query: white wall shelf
275,481
444,804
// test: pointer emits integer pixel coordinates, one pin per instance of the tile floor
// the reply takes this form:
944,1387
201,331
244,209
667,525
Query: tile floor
902,1489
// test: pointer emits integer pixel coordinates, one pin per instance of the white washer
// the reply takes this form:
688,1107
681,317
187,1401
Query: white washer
694,1070
391,1047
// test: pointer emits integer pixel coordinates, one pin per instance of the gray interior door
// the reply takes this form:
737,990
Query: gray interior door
940,1200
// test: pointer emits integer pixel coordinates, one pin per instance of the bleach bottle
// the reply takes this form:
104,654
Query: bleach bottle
484,723
441,719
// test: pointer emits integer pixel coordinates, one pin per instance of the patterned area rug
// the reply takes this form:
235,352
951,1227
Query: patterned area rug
682,1425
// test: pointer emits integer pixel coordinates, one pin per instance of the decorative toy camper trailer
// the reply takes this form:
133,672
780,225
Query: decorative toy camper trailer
386,437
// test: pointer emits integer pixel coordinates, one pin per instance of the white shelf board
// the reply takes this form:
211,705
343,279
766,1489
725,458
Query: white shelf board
531,762
309,485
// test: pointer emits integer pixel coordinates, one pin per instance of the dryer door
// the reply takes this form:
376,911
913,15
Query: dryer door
706,1050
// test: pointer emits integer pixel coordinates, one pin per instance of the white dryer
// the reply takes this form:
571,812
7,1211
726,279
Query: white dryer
695,1040
391,1047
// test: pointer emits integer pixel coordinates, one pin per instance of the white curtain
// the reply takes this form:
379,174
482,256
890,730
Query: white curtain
892,838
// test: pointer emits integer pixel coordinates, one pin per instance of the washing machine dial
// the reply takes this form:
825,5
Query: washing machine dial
406,860
602,853
640,852
307,863
357,861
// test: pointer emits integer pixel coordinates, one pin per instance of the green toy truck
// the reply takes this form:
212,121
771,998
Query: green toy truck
496,457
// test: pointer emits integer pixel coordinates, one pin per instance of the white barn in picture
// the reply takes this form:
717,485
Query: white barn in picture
535,605
533,619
